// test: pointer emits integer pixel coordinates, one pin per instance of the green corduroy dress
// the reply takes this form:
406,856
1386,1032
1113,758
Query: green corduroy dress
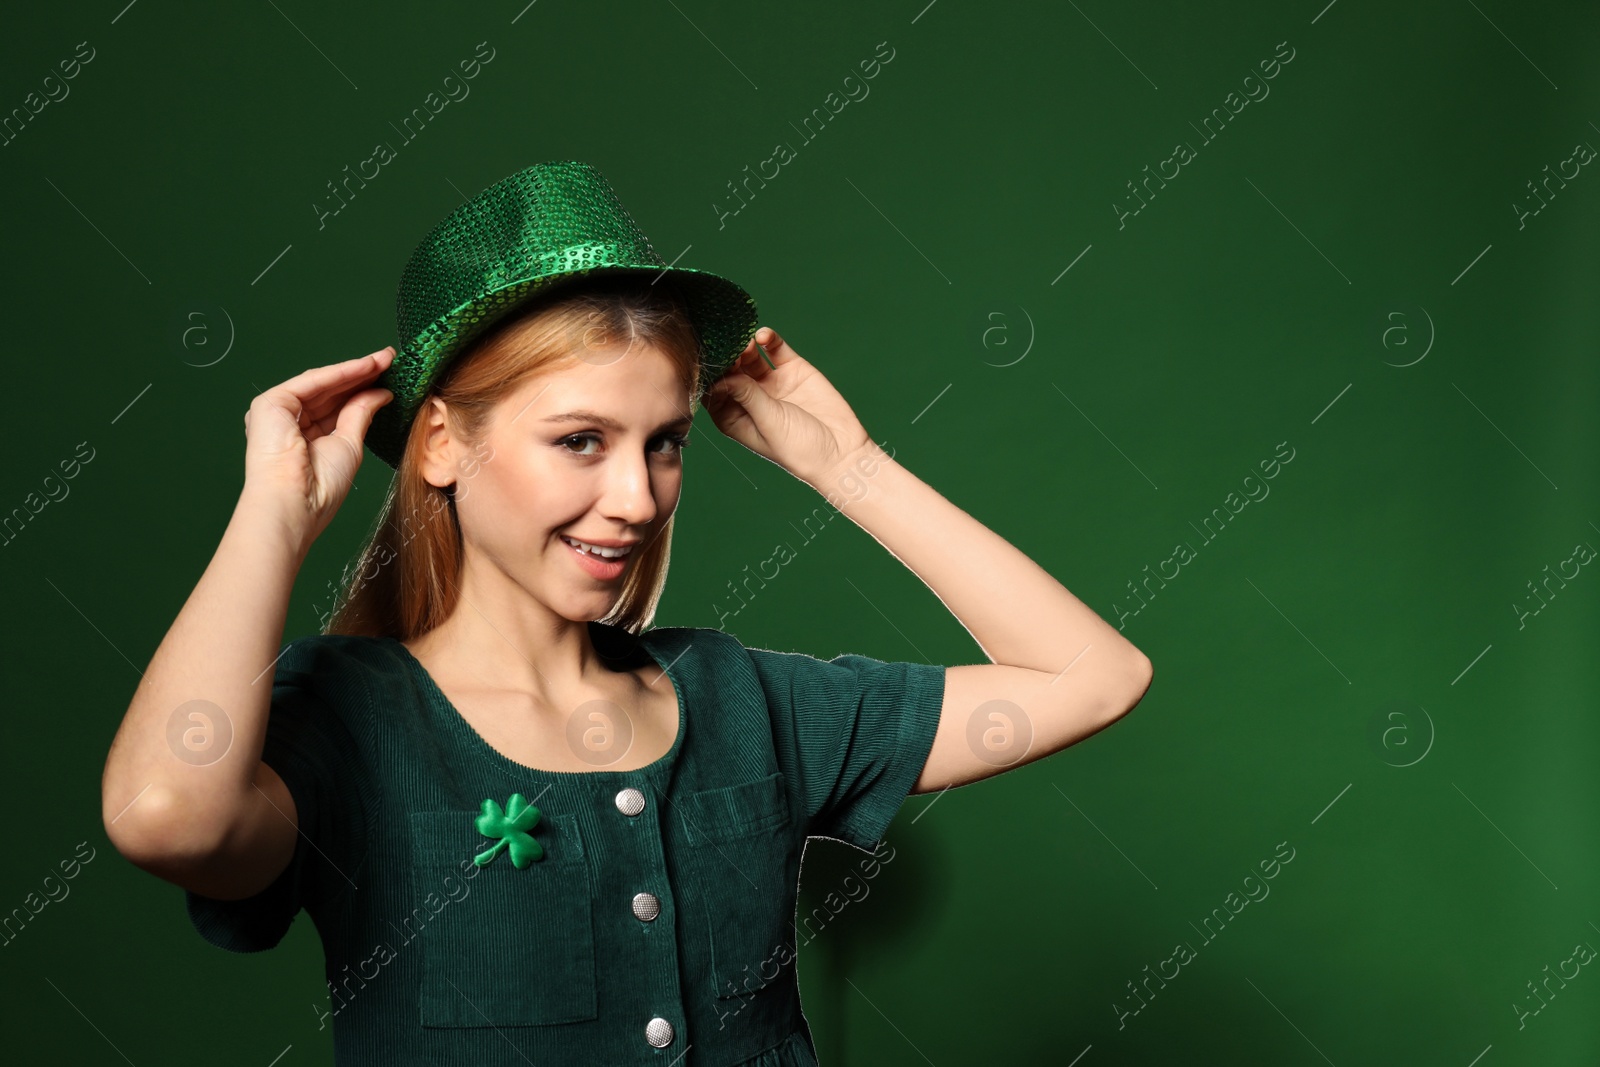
651,920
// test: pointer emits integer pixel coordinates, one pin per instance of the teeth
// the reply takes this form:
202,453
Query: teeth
596,550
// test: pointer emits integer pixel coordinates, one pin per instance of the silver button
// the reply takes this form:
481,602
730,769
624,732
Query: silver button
658,1032
630,801
646,906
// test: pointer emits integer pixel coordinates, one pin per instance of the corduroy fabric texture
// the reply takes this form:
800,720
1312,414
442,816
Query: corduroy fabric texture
430,959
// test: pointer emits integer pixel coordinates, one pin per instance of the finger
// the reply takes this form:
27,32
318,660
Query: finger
752,357
321,390
357,413
744,360
326,406
730,416
742,390
318,413
777,349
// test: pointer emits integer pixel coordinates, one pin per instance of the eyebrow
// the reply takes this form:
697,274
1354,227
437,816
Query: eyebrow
610,423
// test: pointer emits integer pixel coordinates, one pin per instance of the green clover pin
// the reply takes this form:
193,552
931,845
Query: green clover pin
511,826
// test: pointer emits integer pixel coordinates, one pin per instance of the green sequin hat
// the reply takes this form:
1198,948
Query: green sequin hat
542,225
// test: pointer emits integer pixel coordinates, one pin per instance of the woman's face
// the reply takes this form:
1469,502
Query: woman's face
588,452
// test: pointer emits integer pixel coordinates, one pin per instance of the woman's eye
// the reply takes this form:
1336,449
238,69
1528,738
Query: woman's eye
675,442
580,437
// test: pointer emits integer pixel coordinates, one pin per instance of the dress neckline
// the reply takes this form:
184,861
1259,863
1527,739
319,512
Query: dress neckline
465,732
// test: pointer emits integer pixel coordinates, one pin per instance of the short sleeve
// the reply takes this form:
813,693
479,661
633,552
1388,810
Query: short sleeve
314,753
857,729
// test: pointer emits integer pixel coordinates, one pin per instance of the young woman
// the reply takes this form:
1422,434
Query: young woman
529,826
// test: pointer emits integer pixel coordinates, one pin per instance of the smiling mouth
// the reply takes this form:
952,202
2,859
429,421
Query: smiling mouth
599,551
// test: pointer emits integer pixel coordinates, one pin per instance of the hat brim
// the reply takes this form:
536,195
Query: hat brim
723,314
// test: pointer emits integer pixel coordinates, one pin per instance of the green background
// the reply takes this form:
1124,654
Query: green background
1283,288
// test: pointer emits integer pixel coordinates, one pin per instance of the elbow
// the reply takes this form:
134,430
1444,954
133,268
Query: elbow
1144,672
1140,673
156,832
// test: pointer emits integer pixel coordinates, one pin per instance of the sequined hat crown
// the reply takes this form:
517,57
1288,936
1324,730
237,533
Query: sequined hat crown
542,225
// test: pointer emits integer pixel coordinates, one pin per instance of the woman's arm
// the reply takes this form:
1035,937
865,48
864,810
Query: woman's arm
190,800
224,825
1059,671
1067,672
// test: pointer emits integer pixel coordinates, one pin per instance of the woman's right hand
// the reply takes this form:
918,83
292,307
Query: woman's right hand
304,439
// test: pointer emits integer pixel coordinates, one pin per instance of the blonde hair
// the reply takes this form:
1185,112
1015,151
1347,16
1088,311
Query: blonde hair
406,578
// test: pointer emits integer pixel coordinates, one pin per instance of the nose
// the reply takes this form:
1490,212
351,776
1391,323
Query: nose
628,497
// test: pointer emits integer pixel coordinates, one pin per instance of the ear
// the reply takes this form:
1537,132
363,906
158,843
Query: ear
439,445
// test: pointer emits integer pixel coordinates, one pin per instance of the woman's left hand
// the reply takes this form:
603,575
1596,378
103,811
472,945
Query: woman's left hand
788,412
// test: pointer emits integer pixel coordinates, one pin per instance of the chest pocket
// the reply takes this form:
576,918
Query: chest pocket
744,859
501,946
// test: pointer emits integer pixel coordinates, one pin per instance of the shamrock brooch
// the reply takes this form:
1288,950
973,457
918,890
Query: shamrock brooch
511,826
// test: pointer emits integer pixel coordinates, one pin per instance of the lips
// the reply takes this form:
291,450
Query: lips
597,551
